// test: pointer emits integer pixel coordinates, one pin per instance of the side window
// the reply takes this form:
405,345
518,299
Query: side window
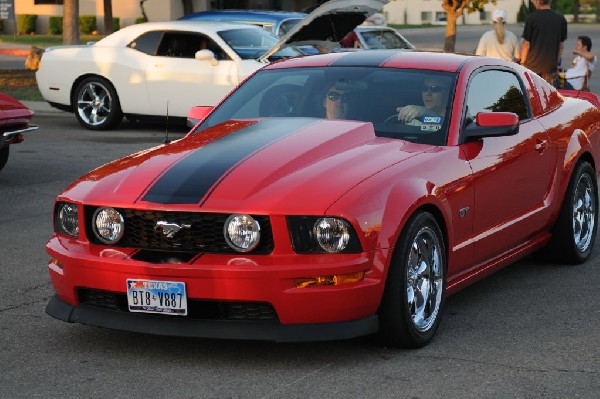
185,45
147,43
496,91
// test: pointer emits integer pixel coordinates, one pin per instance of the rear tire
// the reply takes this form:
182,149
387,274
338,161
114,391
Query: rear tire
574,234
413,300
96,104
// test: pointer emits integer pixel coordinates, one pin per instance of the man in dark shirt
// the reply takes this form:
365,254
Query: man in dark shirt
543,41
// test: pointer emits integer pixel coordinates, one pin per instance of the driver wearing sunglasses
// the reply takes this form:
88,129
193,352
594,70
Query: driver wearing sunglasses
434,94
336,103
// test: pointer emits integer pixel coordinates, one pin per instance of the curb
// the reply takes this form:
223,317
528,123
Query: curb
41,107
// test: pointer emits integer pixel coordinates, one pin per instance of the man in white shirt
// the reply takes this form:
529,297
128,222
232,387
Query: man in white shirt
584,61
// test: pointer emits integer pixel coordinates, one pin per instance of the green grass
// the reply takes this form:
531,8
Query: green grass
24,93
44,40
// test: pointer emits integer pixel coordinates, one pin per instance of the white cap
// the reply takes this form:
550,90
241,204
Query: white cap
499,13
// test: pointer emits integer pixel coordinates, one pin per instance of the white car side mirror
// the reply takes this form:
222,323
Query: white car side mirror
207,55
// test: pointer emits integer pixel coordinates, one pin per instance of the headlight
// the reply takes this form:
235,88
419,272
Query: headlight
108,225
313,234
331,234
242,232
66,220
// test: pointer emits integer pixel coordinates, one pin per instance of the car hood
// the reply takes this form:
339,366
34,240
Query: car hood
330,22
276,165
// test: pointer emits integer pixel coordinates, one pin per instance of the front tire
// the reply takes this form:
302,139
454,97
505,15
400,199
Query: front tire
97,105
415,289
575,231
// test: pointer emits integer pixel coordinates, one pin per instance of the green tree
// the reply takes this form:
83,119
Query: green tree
455,9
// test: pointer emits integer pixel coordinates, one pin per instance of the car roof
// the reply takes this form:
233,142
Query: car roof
406,59
128,33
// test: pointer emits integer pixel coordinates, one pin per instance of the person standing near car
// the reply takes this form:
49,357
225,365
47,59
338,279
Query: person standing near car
499,42
544,35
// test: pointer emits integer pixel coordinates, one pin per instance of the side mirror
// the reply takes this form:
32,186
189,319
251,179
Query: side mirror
197,115
206,55
493,124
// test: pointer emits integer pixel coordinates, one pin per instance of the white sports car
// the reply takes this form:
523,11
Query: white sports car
165,68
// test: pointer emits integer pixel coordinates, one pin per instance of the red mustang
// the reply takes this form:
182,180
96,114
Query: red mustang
330,197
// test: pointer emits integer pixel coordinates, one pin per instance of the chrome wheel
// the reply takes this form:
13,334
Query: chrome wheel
584,213
424,279
413,299
574,233
94,104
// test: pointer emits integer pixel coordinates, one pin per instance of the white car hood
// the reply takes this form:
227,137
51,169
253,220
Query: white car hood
329,22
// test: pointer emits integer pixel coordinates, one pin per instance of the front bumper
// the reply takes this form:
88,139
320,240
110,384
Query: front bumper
15,135
243,330
300,314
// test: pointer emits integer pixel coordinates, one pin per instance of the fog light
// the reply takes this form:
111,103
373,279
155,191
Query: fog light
108,225
337,279
242,232
332,234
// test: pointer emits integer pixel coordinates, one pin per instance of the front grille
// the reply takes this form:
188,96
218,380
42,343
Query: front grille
197,308
205,234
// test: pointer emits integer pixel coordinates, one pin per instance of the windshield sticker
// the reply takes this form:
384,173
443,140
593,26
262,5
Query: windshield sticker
432,119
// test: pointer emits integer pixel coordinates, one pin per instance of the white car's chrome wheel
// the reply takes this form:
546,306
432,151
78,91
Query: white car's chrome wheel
96,104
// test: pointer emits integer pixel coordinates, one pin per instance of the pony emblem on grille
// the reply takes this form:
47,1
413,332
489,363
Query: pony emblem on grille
169,229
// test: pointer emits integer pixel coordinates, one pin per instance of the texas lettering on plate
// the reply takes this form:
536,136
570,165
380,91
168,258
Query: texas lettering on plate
148,296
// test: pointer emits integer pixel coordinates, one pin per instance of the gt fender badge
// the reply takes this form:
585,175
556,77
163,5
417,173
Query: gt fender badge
463,212
169,229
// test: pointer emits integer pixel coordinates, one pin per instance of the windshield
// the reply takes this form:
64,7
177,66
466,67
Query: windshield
406,104
287,25
378,39
252,43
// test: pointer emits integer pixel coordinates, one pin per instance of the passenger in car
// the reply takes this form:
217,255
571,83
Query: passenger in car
434,94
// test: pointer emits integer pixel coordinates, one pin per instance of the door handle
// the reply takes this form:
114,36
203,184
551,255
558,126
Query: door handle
541,145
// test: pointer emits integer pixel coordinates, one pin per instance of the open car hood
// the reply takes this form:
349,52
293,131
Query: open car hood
330,22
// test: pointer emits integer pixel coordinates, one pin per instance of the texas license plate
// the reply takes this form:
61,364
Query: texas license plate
150,296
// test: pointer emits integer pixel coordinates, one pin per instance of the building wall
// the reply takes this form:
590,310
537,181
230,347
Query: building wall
417,12
414,12
126,10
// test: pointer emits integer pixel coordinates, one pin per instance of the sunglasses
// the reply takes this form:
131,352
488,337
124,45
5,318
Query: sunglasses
433,88
335,96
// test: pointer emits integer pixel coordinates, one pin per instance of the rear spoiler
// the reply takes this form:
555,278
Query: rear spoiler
585,95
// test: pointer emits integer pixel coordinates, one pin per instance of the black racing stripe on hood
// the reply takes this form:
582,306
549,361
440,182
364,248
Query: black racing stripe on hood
368,58
193,178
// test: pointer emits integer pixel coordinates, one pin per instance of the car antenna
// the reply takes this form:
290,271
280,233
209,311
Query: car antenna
167,140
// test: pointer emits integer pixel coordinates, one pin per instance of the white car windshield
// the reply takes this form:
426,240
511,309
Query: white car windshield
252,43
383,38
